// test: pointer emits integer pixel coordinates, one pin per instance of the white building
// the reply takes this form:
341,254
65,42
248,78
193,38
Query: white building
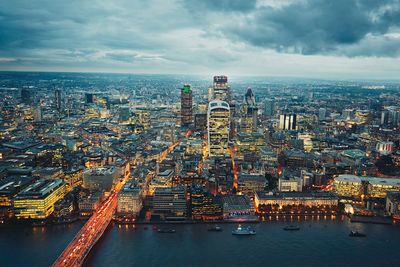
129,200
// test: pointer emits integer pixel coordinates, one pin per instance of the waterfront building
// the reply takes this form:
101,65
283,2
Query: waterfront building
310,199
88,203
186,105
11,186
203,206
37,200
347,185
129,200
218,120
170,203
236,206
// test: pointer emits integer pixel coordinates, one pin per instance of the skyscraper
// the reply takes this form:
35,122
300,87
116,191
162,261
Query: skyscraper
218,118
287,122
269,107
186,105
57,99
220,89
322,114
26,96
249,113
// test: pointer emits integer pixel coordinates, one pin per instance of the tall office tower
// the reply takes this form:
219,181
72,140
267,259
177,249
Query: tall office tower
57,99
26,96
287,122
218,118
269,107
322,114
249,113
89,98
186,105
384,117
220,89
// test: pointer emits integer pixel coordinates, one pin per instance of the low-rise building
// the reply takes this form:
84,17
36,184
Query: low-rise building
170,203
129,200
347,185
249,184
37,200
310,199
236,206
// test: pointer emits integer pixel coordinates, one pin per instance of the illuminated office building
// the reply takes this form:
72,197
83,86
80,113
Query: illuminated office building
218,118
37,200
347,185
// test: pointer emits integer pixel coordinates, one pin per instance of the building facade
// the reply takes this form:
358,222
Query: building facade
218,118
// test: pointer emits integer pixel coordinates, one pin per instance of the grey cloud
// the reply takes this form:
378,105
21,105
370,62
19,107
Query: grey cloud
221,5
316,26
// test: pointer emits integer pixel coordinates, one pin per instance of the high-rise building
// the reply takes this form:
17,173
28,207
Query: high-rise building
322,114
26,96
186,105
218,118
269,107
89,98
57,99
287,122
220,89
248,121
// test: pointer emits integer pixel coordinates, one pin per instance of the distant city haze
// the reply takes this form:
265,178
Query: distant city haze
343,39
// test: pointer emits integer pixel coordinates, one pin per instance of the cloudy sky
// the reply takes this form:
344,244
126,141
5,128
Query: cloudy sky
309,38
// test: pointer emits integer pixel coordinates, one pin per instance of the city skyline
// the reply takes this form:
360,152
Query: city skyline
312,39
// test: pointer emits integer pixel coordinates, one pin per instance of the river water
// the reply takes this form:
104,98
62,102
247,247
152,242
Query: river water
318,243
